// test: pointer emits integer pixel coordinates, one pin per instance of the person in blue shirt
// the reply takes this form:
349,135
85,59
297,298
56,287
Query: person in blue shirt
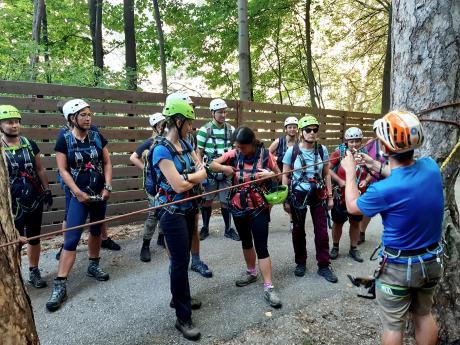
411,203
178,172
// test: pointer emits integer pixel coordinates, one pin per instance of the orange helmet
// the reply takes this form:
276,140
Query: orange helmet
400,131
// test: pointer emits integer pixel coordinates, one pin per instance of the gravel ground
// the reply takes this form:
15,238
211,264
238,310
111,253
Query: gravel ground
133,306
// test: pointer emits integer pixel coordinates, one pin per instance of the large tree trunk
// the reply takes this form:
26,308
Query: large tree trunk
425,73
36,29
17,324
46,44
95,15
161,43
387,70
130,44
243,30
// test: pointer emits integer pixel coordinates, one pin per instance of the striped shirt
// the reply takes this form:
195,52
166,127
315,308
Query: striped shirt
218,142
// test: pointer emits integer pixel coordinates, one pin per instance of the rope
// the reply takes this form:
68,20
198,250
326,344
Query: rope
449,157
58,232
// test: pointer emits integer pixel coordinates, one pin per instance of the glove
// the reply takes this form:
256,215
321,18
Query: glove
48,198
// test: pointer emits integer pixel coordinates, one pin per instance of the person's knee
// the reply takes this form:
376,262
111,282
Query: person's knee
34,242
262,252
71,241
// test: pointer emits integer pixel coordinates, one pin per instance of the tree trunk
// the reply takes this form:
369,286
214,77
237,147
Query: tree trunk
130,44
425,73
46,43
17,324
95,15
161,42
310,74
243,31
387,69
36,26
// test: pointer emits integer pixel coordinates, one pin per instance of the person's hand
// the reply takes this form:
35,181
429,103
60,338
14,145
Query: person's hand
363,184
341,183
263,173
48,199
82,196
348,163
364,159
228,170
105,195
287,207
330,203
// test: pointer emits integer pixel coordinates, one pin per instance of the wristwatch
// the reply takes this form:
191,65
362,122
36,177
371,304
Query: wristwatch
108,188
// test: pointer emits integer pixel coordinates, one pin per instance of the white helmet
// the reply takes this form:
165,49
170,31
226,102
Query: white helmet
353,133
291,121
155,119
73,106
217,104
179,96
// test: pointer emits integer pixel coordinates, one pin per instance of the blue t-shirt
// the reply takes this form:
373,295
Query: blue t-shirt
309,156
411,204
162,152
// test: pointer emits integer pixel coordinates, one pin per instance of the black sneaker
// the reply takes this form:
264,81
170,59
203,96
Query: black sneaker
35,279
328,274
145,251
300,270
202,269
188,330
232,234
161,241
204,232
355,254
58,254
334,254
95,271
58,296
110,244
195,304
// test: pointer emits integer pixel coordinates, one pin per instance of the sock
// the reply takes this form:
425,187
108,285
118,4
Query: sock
206,215
252,271
227,217
195,258
268,285
353,248
335,245
60,278
32,268
96,260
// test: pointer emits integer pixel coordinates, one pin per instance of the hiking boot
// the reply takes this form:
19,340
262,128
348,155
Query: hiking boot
188,330
35,279
145,251
272,298
246,279
58,254
232,234
300,270
161,241
334,254
195,304
355,254
328,274
204,232
58,296
362,238
202,269
110,244
95,271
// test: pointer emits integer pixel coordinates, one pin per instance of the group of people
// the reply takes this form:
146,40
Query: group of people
353,182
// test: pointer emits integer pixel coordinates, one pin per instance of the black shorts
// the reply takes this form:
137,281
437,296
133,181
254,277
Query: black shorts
29,224
340,215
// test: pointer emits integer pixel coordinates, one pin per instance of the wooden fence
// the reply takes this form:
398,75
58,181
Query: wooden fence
122,117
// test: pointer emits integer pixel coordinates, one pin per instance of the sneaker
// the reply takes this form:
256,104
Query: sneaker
95,271
145,251
272,298
161,241
202,269
188,330
300,270
232,234
58,254
246,279
110,244
362,238
355,254
58,296
334,254
35,279
195,304
204,232
328,274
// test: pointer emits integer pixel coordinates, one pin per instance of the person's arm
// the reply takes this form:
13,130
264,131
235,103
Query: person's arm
217,165
200,153
286,176
137,161
374,165
180,183
274,146
328,182
107,167
351,189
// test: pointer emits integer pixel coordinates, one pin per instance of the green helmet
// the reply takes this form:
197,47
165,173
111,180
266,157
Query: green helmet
276,195
308,121
9,112
180,107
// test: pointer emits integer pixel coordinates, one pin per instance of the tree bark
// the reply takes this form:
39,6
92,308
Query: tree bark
310,74
387,69
161,43
243,31
130,44
36,29
46,44
17,324
425,73
95,15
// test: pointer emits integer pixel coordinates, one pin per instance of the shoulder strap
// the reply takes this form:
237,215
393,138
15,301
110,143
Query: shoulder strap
295,153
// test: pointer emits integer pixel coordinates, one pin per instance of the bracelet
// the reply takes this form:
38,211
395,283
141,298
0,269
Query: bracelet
381,167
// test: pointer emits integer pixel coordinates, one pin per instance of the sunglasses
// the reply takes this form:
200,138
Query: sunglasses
309,130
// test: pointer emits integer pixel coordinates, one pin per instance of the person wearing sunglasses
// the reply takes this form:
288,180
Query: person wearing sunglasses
309,187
